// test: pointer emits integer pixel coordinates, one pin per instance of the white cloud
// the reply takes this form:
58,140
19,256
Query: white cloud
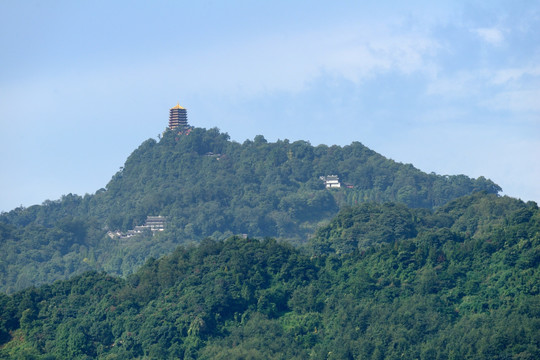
503,76
510,89
517,89
523,100
280,63
492,36
257,64
459,85
385,52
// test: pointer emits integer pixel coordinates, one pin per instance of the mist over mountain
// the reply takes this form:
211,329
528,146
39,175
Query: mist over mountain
208,186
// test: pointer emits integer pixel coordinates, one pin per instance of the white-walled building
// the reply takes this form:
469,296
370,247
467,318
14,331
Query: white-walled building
331,181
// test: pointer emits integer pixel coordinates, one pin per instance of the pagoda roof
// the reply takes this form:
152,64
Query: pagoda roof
178,107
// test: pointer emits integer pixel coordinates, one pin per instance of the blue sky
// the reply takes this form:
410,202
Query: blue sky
451,87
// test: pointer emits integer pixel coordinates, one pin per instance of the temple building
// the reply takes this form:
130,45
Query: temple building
153,223
156,223
331,181
178,117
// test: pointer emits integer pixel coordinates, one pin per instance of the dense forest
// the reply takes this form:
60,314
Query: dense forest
207,186
379,281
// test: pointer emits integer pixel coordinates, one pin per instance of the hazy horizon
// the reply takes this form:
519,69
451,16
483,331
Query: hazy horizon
450,87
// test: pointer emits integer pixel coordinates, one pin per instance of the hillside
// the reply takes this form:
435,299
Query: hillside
207,185
459,282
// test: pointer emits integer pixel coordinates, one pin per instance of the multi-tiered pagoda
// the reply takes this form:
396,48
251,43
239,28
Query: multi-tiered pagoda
178,118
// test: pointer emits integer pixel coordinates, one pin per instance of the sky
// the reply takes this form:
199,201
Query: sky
452,87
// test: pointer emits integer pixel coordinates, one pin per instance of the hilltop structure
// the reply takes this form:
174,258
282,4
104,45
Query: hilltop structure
178,118
331,181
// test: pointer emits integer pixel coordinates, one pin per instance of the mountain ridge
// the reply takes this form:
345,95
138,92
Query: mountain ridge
462,283
207,185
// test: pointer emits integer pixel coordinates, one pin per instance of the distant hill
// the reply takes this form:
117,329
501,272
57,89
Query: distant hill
207,185
460,282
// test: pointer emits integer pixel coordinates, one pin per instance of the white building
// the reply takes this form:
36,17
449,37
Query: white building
154,223
331,181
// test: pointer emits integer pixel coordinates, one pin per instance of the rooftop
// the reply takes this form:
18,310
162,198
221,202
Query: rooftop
178,107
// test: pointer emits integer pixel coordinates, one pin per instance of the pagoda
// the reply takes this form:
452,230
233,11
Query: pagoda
178,118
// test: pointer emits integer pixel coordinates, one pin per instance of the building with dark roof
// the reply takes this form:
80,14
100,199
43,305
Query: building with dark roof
178,118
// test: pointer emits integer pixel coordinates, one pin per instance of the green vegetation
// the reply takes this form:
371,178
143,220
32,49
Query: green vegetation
383,281
207,186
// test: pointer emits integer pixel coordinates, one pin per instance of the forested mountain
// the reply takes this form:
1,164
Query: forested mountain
381,281
207,185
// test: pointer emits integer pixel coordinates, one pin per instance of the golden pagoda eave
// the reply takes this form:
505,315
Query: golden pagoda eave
178,107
